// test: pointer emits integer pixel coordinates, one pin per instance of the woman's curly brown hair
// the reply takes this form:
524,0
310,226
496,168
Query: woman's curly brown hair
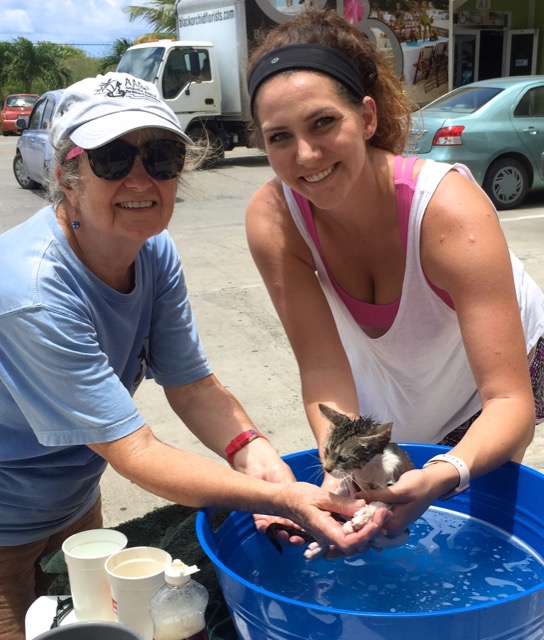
327,27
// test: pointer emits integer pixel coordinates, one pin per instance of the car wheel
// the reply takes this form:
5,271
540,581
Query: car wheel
20,175
506,183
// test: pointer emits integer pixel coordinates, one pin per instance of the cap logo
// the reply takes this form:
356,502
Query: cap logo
274,60
129,88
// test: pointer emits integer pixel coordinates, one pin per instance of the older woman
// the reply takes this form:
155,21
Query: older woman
93,297
419,314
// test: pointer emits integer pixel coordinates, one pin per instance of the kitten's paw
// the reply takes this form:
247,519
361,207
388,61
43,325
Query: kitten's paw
314,550
363,516
348,527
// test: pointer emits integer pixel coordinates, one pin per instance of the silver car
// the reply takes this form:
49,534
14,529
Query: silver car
495,127
33,153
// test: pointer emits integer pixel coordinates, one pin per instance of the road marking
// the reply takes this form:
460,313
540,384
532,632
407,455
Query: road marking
536,215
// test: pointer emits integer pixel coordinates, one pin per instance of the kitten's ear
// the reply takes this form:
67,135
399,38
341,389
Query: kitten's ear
332,416
387,427
382,437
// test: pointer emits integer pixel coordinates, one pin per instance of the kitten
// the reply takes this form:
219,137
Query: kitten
360,452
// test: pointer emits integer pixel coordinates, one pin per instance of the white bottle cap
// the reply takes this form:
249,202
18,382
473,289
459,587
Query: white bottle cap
177,573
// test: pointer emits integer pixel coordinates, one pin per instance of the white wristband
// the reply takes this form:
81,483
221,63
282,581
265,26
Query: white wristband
462,469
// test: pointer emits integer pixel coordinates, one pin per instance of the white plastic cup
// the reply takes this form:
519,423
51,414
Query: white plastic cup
85,553
134,575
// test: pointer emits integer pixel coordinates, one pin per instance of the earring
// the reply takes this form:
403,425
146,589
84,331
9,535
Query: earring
75,224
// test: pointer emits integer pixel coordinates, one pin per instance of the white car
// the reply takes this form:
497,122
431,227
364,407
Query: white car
33,153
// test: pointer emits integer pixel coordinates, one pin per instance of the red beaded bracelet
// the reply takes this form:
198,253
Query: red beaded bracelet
240,442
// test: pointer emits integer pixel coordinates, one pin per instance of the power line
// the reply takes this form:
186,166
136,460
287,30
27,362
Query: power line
80,44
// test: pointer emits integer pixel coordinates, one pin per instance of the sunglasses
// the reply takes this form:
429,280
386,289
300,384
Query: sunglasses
163,158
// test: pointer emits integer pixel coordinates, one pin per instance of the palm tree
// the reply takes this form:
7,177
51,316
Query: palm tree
160,14
117,50
27,62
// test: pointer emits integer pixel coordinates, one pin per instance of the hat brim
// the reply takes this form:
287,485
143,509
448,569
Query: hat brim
100,131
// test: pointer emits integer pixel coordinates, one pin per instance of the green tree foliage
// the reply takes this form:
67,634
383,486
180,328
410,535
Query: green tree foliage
45,66
160,14
4,50
27,63
110,62
86,67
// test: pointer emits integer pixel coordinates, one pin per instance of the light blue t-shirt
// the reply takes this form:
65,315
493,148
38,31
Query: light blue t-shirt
72,353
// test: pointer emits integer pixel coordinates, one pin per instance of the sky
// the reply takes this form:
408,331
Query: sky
92,25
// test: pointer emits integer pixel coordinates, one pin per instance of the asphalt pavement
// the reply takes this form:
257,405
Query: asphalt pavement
241,333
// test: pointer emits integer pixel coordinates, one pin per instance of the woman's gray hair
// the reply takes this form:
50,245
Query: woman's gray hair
68,174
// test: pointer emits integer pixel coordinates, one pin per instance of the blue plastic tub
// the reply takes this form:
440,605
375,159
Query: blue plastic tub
510,498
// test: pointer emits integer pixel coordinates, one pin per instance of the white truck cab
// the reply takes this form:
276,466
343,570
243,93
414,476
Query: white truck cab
184,72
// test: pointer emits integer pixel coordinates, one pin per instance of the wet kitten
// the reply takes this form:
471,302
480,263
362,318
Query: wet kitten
360,452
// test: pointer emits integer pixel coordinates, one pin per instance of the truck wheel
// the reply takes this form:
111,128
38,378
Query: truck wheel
506,183
208,148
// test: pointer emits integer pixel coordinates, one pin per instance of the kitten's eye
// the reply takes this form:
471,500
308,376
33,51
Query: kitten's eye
341,459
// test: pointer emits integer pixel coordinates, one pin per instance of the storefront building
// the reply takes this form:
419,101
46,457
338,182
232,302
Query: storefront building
441,44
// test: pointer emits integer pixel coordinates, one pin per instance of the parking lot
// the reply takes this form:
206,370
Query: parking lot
243,338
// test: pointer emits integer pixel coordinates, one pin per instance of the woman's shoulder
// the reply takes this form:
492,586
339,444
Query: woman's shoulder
269,193
270,226
268,204
431,169
455,197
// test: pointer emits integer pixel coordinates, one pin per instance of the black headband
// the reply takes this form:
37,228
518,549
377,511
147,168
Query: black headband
316,57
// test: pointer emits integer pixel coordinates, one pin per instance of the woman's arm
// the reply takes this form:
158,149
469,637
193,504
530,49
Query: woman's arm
286,266
214,415
464,252
193,480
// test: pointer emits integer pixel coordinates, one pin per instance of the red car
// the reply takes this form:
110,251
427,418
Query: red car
15,106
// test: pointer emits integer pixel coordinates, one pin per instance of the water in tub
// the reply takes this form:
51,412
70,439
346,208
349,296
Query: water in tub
450,561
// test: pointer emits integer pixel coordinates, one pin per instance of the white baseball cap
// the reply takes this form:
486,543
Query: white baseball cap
95,111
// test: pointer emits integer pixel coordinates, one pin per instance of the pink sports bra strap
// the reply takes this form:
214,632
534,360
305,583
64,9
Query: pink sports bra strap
405,186
304,206
404,189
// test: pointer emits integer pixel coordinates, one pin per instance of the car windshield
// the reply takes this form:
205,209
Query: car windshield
21,101
466,100
142,63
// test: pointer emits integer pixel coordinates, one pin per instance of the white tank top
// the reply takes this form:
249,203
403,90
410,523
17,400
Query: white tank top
417,374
